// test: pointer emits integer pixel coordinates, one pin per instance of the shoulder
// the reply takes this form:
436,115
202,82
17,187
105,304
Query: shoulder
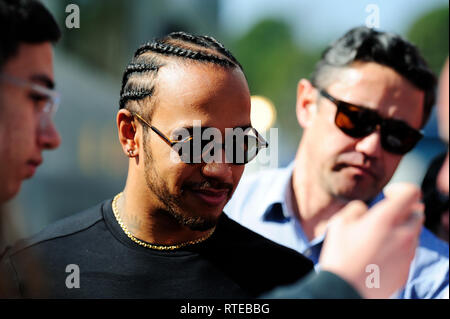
254,190
257,263
431,255
430,268
33,264
246,241
431,244
63,228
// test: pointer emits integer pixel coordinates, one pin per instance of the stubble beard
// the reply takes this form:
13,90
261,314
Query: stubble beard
172,203
338,186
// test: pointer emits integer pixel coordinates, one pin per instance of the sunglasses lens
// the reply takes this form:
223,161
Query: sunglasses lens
354,121
252,147
190,152
237,151
185,151
244,150
398,138
247,148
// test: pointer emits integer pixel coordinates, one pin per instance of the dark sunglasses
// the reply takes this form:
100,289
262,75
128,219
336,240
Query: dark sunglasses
396,136
243,149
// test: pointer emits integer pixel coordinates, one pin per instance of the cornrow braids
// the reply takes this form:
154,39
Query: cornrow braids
134,95
206,42
139,78
219,46
137,68
168,50
180,35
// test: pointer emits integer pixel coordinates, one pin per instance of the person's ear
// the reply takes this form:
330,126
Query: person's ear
306,106
128,136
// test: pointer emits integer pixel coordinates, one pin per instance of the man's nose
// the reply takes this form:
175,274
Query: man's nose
48,136
370,145
220,171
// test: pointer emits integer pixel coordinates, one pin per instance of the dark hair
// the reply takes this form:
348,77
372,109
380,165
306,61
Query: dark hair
368,45
24,21
139,78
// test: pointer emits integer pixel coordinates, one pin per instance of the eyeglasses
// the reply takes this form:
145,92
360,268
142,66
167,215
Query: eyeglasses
243,149
397,137
47,99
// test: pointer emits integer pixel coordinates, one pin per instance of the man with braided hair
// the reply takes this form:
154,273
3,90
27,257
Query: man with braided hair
165,235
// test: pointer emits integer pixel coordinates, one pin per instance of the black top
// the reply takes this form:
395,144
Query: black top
233,263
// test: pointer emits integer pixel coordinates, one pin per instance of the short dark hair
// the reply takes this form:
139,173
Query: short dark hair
139,78
24,21
368,45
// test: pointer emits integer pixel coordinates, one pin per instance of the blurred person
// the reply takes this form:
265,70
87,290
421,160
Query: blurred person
436,202
443,117
443,107
165,235
369,96
27,96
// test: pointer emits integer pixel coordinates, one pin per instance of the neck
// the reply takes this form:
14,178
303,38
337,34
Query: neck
313,206
142,214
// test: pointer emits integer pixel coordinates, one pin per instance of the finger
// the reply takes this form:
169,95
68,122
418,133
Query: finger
398,204
414,221
410,230
351,211
408,234
395,189
417,214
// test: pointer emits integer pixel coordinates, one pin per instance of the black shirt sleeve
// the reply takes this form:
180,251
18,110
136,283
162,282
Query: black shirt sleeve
322,285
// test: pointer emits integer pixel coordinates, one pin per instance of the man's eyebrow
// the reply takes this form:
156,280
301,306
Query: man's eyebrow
44,79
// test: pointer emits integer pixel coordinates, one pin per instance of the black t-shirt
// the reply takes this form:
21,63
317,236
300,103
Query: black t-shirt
233,263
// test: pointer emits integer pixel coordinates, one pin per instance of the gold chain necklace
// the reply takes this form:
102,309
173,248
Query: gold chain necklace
151,246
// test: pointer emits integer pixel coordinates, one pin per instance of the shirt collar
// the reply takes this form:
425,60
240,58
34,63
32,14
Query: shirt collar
278,207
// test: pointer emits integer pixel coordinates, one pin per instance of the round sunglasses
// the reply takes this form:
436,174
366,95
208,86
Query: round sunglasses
240,147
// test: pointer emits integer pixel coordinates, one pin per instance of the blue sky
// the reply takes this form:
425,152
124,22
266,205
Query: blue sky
319,21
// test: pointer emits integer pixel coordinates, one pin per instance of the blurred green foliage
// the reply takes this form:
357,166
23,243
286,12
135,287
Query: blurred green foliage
102,39
430,34
273,64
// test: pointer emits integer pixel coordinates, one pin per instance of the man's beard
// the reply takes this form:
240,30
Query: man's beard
339,186
338,182
172,203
